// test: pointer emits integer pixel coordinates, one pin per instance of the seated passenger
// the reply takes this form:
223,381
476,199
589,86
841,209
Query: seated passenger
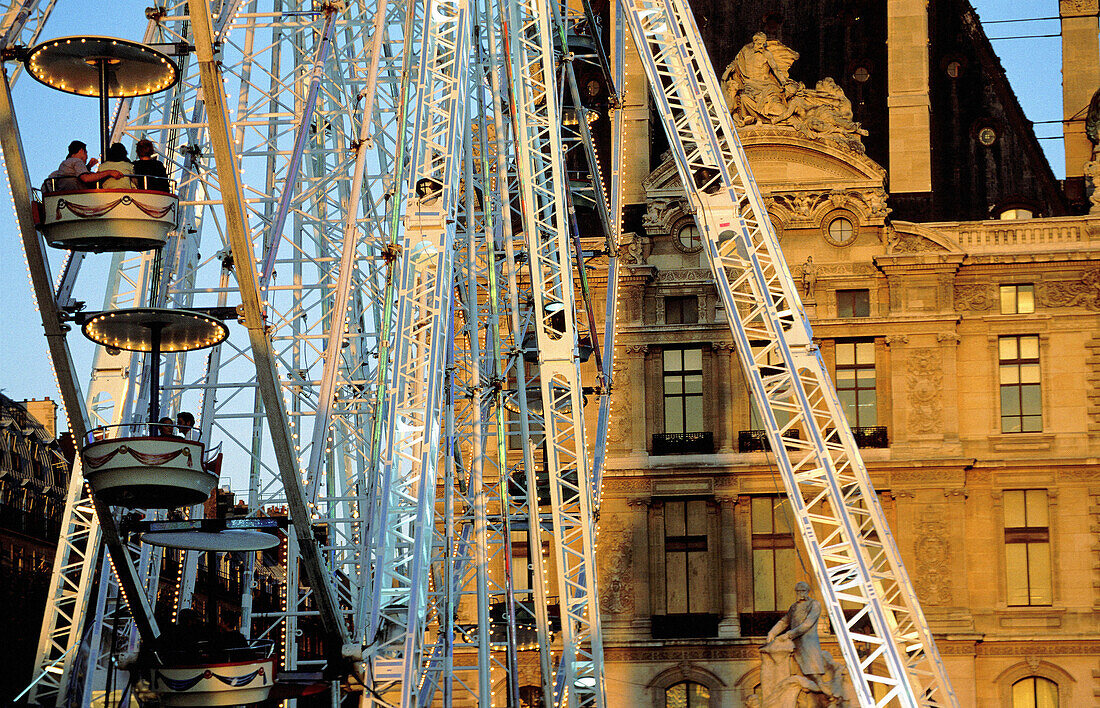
185,424
229,642
75,172
149,172
186,634
165,428
119,161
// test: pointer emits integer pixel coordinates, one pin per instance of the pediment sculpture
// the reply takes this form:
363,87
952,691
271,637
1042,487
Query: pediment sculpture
760,93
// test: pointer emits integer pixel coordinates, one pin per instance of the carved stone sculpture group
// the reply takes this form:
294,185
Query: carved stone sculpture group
760,93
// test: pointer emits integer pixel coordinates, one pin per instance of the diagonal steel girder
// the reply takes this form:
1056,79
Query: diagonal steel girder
324,594
847,537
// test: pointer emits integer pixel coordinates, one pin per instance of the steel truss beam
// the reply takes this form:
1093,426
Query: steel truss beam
859,569
533,94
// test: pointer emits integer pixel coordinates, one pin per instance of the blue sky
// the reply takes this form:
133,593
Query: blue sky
49,120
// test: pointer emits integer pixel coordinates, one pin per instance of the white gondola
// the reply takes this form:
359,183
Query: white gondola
203,675
137,219
143,465
108,219
146,471
221,535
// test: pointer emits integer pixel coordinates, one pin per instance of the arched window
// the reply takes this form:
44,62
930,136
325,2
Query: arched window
687,694
1034,692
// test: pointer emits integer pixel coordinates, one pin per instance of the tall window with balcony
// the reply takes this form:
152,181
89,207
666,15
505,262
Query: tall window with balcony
775,566
1021,400
855,385
1027,547
687,578
755,439
683,405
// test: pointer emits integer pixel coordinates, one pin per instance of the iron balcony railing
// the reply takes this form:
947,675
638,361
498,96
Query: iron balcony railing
683,443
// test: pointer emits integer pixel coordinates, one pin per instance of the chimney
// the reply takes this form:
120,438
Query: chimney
908,104
45,412
1080,79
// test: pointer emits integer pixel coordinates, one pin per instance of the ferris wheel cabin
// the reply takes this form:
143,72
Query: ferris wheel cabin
149,465
139,212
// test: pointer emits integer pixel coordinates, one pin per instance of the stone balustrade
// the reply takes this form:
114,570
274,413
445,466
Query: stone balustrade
1056,233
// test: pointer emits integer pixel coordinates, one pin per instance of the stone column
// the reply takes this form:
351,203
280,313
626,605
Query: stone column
726,409
730,624
628,414
1080,78
657,558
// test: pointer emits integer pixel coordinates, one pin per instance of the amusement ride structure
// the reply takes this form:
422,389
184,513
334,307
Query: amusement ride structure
368,276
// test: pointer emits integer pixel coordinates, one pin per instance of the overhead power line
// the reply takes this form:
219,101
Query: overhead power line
1026,36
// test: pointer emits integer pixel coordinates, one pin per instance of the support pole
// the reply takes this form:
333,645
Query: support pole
104,110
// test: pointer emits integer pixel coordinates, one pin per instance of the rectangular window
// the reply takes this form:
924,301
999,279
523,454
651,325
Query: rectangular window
853,303
1027,547
774,558
1017,299
522,570
687,580
682,310
1021,402
683,390
855,382
773,366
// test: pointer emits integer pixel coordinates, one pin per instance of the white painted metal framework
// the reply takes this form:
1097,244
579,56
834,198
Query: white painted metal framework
386,192
863,582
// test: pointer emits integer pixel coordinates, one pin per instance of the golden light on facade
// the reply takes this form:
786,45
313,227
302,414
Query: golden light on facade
133,69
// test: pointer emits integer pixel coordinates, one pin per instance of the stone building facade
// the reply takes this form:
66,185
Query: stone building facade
34,474
967,356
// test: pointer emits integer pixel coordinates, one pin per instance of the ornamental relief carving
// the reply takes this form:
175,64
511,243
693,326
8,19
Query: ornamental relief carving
633,249
1071,293
909,243
616,563
803,206
686,275
661,214
975,297
932,580
630,304
620,426
924,380
845,269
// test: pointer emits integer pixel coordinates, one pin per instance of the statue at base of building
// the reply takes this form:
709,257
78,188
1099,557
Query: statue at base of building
819,682
760,93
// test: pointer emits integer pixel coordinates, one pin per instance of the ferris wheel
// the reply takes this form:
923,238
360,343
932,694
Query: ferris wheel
364,269
336,281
